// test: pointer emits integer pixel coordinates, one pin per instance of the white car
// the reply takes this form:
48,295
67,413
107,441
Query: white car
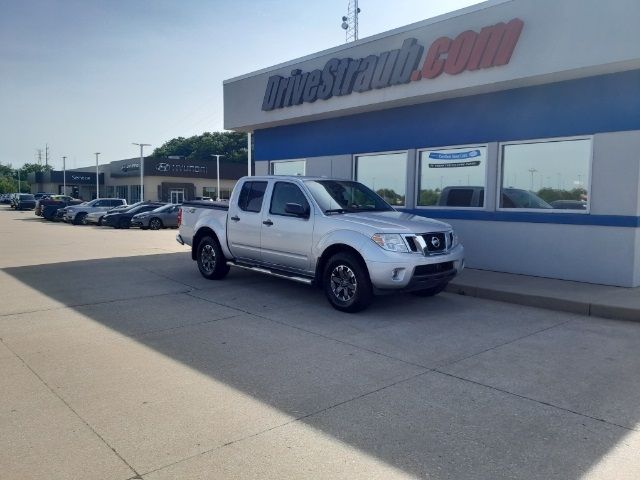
76,214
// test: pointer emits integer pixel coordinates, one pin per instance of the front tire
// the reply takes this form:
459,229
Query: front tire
210,259
430,292
346,283
79,218
155,224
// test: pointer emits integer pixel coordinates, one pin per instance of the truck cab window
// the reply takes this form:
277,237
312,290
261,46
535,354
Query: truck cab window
251,196
283,193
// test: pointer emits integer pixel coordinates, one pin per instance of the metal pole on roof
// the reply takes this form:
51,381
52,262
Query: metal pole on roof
217,175
249,154
97,177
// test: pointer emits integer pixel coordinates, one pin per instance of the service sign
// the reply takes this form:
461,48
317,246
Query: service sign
490,47
75,178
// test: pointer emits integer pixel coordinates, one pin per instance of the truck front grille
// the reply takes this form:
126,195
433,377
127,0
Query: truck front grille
435,242
433,268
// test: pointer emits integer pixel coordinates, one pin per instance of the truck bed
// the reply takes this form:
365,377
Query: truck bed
207,204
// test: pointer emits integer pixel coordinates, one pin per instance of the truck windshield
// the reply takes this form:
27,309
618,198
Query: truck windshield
343,196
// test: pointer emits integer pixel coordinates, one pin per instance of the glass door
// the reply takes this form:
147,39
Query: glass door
177,196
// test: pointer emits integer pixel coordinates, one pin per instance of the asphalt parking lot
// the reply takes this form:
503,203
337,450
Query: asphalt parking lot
118,361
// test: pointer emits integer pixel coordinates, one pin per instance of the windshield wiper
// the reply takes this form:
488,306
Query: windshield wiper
336,210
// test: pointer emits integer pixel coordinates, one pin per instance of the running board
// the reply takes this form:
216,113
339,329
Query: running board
273,273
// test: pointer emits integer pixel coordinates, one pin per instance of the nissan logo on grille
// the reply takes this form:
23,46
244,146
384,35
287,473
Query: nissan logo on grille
435,242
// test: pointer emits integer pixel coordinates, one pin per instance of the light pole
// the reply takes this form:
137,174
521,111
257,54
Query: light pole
142,145
249,153
532,171
217,175
97,177
64,175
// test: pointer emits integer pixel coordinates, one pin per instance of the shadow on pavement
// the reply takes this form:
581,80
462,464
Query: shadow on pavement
365,379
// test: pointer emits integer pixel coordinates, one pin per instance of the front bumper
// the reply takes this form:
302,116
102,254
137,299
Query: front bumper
411,271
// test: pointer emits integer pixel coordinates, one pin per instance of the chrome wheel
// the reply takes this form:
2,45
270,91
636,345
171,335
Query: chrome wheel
343,283
208,259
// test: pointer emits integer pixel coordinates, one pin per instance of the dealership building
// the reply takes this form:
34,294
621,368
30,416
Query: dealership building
516,121
172,179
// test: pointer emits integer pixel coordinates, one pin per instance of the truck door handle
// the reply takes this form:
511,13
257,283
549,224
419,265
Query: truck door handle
268,223
235,218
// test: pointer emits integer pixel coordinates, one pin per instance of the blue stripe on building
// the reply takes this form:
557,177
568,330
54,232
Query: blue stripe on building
529,217
606,103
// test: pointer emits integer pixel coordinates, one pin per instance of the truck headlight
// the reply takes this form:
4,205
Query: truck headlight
392,242
454,238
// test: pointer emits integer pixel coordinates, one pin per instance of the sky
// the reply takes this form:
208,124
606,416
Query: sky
87,76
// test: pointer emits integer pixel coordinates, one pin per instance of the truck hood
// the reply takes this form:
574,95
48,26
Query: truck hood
392,222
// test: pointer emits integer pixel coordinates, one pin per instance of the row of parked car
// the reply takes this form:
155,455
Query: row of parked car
19,201
113,212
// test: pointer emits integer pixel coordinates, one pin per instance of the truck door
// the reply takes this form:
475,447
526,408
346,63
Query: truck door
287,238
245,221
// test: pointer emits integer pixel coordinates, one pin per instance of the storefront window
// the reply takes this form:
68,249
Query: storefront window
121,192
209,192
385,174
134,193
452,177
288,167
550,175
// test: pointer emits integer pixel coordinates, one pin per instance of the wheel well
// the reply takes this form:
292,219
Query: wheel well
203,232
331,251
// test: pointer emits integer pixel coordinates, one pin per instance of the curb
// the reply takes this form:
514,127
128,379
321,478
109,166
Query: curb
547,302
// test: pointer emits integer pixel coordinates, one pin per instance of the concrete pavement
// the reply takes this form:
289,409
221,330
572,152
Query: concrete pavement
118,361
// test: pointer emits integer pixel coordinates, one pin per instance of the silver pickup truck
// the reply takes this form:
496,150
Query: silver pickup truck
338,234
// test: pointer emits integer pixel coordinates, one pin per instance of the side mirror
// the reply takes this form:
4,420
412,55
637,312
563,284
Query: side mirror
296,209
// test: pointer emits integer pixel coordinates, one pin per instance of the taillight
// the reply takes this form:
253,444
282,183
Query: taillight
180,216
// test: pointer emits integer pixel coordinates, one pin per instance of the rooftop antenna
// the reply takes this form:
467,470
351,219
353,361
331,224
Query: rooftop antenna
350,22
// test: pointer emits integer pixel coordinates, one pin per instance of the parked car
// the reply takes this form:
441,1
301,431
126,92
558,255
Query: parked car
24,201
569,204
335,233
40,195
474,197
53,199
122,218
13,199
50,209
95,218
163,217
76,214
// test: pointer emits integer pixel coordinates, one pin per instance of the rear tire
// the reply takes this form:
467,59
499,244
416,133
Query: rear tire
210,259
346,283
430,292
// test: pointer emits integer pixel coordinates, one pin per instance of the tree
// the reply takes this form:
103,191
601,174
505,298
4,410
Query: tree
233,145
9,176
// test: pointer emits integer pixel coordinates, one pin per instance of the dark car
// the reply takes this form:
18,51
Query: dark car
122,218
25,201
52,200
163,217
40,195
49,210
